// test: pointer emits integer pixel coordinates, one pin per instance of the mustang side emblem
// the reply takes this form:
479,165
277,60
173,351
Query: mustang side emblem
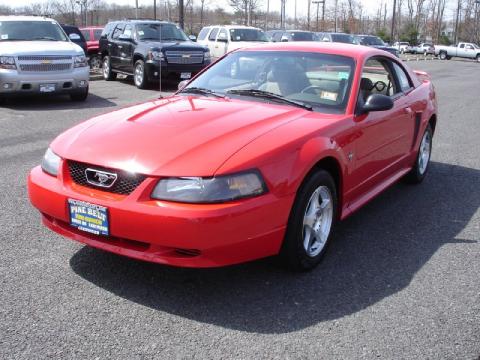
100,178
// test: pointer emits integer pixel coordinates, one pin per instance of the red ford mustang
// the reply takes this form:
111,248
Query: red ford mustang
259,155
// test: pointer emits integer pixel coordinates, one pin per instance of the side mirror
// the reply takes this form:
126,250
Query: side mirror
182,84
192,38
377,102
74,37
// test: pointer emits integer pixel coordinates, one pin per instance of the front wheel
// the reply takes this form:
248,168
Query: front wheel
478,58
80,95
419,170
108,74
139,75
442,55
311,222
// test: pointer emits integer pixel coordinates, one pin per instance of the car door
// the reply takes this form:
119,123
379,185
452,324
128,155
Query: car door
470,51
212,37
113,49
385,137
125,48
221,43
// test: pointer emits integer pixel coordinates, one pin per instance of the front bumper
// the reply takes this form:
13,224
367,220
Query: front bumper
14,82
154,70
176,234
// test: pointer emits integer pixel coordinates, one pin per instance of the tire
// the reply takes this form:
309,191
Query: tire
107,72
315,207
420,169
442,55
139,75
478,58
80,95
95,62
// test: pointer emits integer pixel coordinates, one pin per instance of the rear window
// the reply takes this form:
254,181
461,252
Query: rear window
31,31
302,36
247,35
203,33
86,34
97,33
343,38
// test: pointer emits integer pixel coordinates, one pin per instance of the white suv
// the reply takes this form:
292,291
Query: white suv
223,39
36,56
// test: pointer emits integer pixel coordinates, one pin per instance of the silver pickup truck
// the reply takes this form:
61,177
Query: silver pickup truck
37,57
463,50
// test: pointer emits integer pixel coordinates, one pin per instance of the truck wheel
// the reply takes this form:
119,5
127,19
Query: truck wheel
95,62
80,95
139,75
442,55
478,58
108,74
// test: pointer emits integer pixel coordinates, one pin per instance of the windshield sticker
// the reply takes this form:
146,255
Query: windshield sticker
238,38
141,33
327,95
4,36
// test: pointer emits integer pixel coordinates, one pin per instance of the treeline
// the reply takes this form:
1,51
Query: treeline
415,20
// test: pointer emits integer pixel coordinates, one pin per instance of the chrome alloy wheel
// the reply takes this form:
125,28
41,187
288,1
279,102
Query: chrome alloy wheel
424,153
139,74
317,221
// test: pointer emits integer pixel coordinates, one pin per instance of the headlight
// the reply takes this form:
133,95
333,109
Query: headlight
155,55
51,162
206,56
7,62
80,61
210,190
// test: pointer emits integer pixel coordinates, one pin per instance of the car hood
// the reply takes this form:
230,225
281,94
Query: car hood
17,48
176,136
175,45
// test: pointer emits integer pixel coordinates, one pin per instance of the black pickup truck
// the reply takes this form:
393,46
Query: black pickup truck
149,50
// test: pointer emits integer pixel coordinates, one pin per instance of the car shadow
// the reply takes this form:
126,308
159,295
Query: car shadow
55,102
375,253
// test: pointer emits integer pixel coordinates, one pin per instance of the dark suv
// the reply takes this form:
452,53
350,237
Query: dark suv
149,50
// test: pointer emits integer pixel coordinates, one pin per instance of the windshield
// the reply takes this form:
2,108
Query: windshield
343,38
371,41
320,80
247,35
302,36
31,31
160,32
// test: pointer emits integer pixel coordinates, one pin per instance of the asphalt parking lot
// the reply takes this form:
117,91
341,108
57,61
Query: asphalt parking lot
401,279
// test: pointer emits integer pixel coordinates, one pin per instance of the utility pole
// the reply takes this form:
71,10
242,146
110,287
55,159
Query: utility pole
308,15
282,14
266,15
136,9
477,36
459,5
295,21
181,16
318,2
392,34
154,9
323,15
336,9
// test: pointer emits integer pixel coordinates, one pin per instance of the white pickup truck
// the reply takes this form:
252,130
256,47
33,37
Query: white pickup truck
463,50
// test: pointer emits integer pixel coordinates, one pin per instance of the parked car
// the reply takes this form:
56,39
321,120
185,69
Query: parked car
376,42
92,36
76,36
402,47
242,163
37,57
463,50
336,37
150,50
291,35
221,39
423,48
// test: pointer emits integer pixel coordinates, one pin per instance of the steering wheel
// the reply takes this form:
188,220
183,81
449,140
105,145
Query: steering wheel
379,86
310,87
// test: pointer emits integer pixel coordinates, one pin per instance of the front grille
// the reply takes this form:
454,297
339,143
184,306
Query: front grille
125,183
45,67
183,57
43,57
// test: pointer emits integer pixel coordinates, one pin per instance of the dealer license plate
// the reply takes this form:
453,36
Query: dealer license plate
46,88
88,217
185,75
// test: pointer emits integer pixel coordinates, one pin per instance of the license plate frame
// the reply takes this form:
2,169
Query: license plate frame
89,217
47,88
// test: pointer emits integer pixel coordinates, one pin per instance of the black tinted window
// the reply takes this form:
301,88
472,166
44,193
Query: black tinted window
213,34
203,33
118,30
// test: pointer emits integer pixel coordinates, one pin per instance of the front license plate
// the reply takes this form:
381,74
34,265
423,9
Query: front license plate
88,217
46,88
185,75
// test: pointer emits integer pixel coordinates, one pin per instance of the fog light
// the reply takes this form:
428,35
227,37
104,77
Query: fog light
7,86
83,83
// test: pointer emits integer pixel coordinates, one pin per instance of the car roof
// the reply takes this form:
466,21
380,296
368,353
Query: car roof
343,49
234,27
25,18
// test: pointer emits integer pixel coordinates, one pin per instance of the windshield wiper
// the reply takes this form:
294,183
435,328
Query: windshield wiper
201,91
272,96
45,38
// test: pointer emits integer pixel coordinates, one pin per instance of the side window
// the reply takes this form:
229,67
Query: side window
86,34
277,36
118,30
128,31
213,34
203,33
462,46
403,79
377,79
469,47
223,34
